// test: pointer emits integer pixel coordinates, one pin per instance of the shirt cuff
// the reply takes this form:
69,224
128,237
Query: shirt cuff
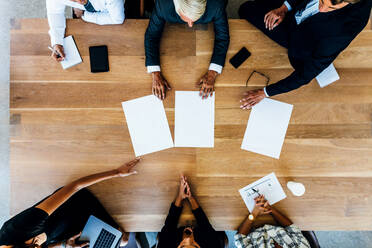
288,5
153,68
265,92
215,67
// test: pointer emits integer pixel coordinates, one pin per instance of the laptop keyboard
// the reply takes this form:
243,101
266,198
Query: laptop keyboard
104,240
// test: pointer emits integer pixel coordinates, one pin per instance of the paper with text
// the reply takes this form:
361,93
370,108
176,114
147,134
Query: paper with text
266,128
327,76
147,124
268,186
194,120
72,55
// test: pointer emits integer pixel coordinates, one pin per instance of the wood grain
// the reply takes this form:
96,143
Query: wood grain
67,124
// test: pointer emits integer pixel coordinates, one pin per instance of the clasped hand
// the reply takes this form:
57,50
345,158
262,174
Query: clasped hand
261,207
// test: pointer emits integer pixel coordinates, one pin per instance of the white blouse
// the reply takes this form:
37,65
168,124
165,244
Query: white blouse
108,12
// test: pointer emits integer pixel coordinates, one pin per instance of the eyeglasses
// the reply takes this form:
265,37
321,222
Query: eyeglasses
260,73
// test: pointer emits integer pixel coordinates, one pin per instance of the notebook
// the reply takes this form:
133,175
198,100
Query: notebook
72,55
266,128
98,59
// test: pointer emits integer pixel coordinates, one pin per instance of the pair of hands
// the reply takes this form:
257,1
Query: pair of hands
206,84
262,206
184,190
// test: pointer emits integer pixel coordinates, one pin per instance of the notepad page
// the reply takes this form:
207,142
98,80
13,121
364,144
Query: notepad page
266,128
72,55
268,186
194,120
147,124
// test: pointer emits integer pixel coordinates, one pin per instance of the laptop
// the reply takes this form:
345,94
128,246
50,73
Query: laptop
100,235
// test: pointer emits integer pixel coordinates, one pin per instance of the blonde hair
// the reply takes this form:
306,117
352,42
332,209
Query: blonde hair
192,9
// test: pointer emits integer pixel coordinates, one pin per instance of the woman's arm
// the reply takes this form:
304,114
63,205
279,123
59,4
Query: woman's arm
57,199
280,218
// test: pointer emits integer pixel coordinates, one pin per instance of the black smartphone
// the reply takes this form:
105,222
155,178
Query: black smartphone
240,57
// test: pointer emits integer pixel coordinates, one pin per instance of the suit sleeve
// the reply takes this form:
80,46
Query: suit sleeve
221,38
293,3
202,220
172,219
307,70
152,38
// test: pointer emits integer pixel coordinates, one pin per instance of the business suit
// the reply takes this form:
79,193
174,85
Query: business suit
314,43
164,11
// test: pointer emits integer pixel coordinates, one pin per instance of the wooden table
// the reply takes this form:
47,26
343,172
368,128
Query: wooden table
67,124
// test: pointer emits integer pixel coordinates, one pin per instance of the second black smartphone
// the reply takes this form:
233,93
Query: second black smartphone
240,57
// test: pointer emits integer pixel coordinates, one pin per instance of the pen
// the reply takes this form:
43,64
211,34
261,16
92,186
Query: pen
54,51
256,191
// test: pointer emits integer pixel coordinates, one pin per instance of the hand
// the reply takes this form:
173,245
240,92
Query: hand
159,85
71,242
125,169
78,12
184,190
262,206
251,98
60,50
206,84
275,17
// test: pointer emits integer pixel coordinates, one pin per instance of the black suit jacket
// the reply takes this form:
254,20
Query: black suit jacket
318,40
171,236
164,11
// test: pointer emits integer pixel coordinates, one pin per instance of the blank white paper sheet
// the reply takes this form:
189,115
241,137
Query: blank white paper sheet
266,128
327,76
268,186
147,124
72,55
194,120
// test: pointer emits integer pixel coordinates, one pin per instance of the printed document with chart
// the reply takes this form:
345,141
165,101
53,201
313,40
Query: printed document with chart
194,120
268,186
147,124
266,128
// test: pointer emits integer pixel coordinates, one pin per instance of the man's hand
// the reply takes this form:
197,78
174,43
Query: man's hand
159,85
206,84
262,206
275,17
61,54
78,12
71,242
251,98
126,169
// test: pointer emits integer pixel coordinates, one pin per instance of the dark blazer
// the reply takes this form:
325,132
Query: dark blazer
318,40
164,11
171,236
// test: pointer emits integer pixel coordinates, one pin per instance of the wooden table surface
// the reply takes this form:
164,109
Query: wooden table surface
67,124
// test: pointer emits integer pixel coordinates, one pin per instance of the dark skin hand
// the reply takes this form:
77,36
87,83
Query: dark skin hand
251,98
206,84
59,49
274,17
261,208
159,85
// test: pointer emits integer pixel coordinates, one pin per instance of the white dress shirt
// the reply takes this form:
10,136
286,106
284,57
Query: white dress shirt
108,12
311,9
